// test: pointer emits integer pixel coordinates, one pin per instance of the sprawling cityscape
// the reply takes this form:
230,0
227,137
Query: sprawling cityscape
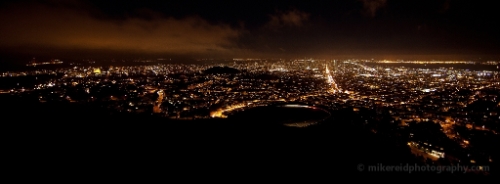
244,89
462,104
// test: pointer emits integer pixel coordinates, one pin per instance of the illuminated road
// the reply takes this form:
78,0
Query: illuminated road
219,113
331,81
159,100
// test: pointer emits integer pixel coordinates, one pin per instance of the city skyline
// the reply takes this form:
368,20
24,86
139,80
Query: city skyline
430,113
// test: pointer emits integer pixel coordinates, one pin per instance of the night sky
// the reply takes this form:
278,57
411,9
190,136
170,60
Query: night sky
383,29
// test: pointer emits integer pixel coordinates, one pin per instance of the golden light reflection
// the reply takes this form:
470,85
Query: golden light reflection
219,113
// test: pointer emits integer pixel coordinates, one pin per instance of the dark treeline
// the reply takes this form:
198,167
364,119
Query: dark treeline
86,135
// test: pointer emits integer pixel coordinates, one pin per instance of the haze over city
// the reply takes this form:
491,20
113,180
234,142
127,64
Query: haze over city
381,29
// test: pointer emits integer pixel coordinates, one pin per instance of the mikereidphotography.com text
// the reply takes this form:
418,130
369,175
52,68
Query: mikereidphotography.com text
414,168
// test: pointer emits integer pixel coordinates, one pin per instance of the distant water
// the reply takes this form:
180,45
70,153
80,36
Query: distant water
435,66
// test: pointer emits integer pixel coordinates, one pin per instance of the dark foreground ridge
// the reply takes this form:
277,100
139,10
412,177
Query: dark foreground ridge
81,136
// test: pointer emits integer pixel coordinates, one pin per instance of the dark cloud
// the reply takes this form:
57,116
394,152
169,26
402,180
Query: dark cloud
39,25
293,18
372,6
446,5
249,28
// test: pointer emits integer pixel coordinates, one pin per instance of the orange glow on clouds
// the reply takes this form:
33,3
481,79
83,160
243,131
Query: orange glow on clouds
42,26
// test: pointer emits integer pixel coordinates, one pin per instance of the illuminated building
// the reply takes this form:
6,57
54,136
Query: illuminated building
97,71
